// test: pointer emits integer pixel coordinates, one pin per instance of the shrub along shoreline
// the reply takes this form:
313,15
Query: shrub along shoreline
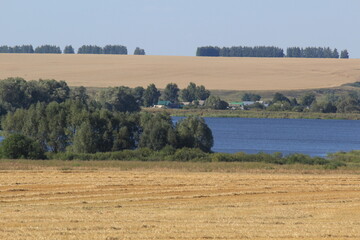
171,154
255,114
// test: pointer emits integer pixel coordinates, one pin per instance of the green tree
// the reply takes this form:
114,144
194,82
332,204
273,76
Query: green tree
202,93
84,139
307,99
215,102
279,97
57,139
12,93
69,50
193,132
324,107
57,91
138,93
139,51
18,146
280,106
251,97
151,95
158,131
171,93
119,99
79,94
189,94
344,54
193,92
348,104
48,49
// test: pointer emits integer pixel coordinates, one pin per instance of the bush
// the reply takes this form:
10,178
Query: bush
19,146
190,154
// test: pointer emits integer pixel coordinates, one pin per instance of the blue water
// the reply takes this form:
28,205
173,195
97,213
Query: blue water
308,136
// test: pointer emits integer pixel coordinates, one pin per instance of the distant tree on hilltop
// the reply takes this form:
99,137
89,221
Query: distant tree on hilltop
344,54
139,51
48,49
312,52
115,49
17,49
69,50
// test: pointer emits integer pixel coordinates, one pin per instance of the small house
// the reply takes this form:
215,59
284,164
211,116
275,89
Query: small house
162,104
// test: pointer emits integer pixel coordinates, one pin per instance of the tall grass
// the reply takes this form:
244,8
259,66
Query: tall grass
256,114
195,155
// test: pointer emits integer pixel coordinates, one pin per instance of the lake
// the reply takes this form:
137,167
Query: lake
308,136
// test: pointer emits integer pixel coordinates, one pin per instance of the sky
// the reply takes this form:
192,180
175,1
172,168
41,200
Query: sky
178,27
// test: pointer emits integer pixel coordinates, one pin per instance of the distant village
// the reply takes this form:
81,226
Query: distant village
201,103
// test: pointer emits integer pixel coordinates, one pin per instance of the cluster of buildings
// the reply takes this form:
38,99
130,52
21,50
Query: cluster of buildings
232,105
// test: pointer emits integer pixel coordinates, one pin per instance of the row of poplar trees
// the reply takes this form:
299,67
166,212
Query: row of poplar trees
85,49
265,51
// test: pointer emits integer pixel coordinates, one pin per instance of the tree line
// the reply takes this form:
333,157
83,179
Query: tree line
48,116
308,102
108,49
17,93
17,49
315,52
260,51
271,51
76,127
85,49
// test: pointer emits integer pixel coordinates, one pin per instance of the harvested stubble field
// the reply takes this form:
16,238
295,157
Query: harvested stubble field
110,203
213,73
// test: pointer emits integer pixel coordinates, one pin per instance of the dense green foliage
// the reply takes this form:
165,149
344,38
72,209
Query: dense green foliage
196,155
90,49
312,52
19,146
171,93
193,92
17,93
158,131
115,49
151,96
46,116
208,51
81,125
17,49
344,54
69,50
108,49
193,132
251,97
74,126
48,49
214,102
120,99
259,51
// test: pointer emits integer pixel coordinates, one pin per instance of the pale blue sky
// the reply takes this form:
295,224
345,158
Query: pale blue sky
178,27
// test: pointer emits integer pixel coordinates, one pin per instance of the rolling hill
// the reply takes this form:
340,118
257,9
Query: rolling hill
214,73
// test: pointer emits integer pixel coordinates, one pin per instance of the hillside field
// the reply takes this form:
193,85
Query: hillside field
154,203
213,73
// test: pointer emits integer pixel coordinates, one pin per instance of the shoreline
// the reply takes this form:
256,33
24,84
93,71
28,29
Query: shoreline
255,114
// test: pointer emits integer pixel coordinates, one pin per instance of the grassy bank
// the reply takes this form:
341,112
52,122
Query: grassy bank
188,159
255,114
231,167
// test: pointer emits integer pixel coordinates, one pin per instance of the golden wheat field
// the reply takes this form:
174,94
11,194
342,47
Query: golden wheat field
112,204
213,73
